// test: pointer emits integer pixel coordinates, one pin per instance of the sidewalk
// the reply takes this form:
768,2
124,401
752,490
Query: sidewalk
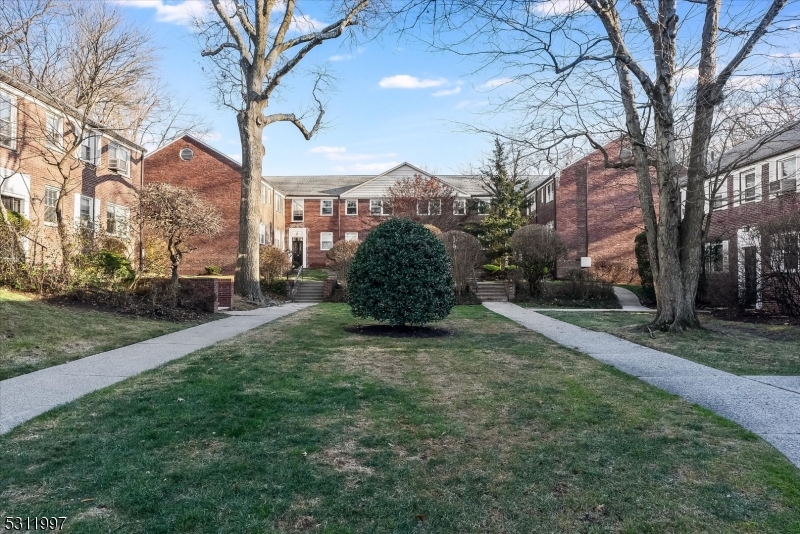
765,405
24,397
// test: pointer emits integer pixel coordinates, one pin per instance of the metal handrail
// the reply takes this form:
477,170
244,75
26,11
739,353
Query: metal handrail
296,278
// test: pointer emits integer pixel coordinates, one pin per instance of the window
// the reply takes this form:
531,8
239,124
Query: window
277,240
747,181
89,151
50,200
54,131
481,206
186,154
12,203
351,236
119,159
787,168
297,210
460,206
279,203
268,195
429,207
716,257
791,255
548,193
262,233
8,120
718,193
325,240
351,207
263,193
379,207
117,218
326,207
85,209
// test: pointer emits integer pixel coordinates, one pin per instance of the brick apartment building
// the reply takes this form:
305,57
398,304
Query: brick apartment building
763,186
189,162
598,214
102,174
321,210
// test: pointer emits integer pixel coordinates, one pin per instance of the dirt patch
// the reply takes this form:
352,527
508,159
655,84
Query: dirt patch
385,330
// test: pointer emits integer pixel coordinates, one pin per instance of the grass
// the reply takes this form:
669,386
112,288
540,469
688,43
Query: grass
736,347
300,426
35,334
319,275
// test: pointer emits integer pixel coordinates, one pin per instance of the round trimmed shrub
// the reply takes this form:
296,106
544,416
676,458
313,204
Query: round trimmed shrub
401,275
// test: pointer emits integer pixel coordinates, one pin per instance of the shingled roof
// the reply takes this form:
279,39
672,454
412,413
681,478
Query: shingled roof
760,148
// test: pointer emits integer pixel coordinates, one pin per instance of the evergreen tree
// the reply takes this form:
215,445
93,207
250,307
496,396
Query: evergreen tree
506,210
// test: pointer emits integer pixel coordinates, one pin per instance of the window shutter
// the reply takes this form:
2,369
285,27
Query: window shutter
76,208
724,256
736,190
96,211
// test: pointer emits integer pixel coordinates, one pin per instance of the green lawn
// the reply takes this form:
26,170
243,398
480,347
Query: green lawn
35,334
300,426
736,347
312,274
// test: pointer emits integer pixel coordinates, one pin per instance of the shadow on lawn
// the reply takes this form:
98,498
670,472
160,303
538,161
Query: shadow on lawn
385,330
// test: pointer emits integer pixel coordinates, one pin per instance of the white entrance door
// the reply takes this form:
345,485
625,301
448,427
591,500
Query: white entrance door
298,243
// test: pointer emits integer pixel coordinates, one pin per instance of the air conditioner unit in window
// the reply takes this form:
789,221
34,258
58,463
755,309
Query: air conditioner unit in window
774,187
114,164
788,185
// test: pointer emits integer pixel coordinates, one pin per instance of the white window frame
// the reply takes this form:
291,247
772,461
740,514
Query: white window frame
121,215
347,204
91,142
299,202
720,200
119,152
50,192
433,206
8,126
325,238
743,186
54,131
263,193
269,193
481,206
381,204
89,222
262,233
459,206
322,208
277,239
548,192
351,236
280,203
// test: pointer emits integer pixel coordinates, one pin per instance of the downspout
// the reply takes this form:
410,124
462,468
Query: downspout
141,232
587,209
339,217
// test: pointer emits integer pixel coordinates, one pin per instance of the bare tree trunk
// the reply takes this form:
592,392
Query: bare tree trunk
251,127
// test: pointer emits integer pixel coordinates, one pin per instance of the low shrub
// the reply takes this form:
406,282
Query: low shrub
273,263
276,287
614,272
491,268
213,269
339,257
583,285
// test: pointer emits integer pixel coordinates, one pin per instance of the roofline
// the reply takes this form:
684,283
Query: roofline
38,94
204,144
407,164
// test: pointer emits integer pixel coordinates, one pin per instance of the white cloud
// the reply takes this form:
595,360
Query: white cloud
550,8
328,149
347,57
375,167
447,92
404,81
305,24
182,13
496,82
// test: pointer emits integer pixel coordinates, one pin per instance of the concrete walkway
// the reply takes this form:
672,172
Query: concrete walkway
628,300
766,405
26,396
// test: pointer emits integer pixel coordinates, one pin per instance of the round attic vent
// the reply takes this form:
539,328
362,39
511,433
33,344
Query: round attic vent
187,154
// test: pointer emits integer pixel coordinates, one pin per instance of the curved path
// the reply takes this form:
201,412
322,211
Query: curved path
26,396
767,406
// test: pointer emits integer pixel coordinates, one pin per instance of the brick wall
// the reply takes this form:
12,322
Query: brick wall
218,181
33,158
608,209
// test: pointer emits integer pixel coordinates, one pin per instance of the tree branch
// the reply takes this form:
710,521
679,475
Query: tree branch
231,27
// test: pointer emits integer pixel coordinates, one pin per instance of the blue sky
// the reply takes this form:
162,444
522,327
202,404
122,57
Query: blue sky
394,102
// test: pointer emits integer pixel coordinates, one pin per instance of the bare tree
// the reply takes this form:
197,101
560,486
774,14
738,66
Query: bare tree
466,254
177,215
591,69
252,52
536,248
339,258
427,201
